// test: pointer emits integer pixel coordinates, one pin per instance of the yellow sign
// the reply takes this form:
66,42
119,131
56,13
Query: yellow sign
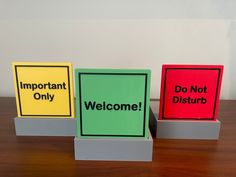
44,89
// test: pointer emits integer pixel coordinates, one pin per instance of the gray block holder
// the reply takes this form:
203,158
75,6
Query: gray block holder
178,129
117,149
45,126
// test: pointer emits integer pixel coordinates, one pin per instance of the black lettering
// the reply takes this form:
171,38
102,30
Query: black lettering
40,86
64,85
205,89
125,107
99,106
184,100
140,106
37,96
25,86
104,106
53,86
109,107
193,89
177,88
175,99
116,107
197,89
43,97
189,100
90,105
134,107
34,86
204,100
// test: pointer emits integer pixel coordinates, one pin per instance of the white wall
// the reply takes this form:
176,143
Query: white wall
119,34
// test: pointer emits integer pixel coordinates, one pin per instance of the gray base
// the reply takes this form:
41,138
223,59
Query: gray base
178,129
45,126
126,149
152,123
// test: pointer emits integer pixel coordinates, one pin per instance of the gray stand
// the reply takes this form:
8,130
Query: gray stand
45,126
178,129
126,149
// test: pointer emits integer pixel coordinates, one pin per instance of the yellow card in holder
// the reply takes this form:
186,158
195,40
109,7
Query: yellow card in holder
44,90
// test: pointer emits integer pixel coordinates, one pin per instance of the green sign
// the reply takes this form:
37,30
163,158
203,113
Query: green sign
112,102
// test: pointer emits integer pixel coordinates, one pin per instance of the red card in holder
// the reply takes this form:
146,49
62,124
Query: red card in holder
190,92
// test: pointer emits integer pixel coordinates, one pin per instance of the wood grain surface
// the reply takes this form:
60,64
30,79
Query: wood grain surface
54,156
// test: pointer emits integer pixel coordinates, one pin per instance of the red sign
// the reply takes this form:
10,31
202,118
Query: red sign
190,92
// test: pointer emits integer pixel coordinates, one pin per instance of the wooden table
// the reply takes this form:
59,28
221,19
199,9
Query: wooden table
54,156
